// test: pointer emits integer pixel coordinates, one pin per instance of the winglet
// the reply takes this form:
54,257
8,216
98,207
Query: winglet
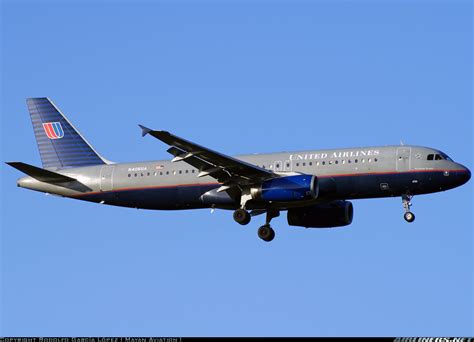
145,130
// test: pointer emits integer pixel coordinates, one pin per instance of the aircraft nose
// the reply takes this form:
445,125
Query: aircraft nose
464,175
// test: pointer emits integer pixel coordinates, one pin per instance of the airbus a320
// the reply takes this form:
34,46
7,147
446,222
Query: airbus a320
313,187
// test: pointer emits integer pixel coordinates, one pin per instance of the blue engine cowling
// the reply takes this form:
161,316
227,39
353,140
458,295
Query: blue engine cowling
287,189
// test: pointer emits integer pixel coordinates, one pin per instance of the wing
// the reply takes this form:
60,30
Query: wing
229,171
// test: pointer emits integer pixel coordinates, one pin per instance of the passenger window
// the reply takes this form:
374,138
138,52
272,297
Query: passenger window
330,162
186,171
180,172
310,163
356,161
304,164
430,156
336,162
297,164
192,171
129,175
375,159
438,157
148,173
317,163
349,161
167,172
161,173
324,163
288,165
136,174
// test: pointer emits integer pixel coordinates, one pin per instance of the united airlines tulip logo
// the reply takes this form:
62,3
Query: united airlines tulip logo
53,130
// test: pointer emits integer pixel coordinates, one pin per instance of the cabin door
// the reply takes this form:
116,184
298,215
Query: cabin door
106,174
403,158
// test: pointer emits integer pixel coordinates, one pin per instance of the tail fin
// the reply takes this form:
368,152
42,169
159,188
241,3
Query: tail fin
59,143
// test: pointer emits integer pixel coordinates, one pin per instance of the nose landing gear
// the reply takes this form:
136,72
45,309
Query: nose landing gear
408,216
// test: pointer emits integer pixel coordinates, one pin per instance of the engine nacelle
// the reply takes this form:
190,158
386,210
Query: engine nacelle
287,189
334,214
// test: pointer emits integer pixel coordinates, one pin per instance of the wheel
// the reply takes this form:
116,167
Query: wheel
242,216
266,233
409,216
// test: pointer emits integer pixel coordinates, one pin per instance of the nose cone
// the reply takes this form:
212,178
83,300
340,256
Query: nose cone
464,175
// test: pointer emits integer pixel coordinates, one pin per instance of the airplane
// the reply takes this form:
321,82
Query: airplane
314,187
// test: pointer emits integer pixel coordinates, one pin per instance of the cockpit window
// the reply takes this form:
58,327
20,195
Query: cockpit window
445,156
438,156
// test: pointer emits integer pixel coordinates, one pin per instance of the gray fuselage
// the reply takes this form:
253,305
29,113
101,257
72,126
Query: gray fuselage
347,173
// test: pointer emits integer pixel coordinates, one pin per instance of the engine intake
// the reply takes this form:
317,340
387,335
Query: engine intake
287,189
333,214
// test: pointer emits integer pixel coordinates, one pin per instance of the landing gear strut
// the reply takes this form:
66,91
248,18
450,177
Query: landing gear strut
266,232
408,216
242,216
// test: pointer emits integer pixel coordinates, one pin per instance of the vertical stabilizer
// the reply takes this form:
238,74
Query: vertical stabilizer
59,143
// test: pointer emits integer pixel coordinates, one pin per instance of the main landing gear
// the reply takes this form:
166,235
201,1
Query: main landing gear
242,216
265,232
408,216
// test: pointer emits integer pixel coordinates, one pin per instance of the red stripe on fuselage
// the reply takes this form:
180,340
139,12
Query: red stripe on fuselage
148,187
322,176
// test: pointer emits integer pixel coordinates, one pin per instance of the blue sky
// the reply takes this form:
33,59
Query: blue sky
239,77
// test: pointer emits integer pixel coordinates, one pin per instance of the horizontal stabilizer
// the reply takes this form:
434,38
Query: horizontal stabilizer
49,176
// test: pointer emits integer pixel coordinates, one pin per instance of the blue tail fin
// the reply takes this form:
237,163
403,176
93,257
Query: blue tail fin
59,143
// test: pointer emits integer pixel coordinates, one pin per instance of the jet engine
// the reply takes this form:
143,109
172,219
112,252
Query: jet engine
287,189
333,214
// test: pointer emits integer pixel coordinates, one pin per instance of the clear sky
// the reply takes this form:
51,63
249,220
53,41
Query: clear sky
239,77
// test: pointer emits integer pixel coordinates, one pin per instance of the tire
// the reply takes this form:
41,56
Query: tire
266,233
242,216
409,216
